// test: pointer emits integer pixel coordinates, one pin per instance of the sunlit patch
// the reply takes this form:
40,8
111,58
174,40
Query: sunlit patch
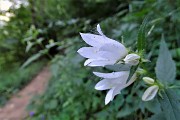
4,18
5,5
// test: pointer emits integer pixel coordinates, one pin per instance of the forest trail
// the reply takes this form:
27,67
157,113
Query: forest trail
15,109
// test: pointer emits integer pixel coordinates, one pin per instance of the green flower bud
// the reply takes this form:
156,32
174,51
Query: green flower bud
148,80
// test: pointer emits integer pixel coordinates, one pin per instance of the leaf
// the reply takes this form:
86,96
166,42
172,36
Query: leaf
170,104
29,46
132,71
165,66
125,111
53,104
159,116
141,40
153,106
31,59
129,106
118,67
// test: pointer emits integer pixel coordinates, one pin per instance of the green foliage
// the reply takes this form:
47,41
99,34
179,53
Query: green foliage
165,66
72,87
159,116
31,59
141,40
70,94
50,28
166,73
13,80
170,104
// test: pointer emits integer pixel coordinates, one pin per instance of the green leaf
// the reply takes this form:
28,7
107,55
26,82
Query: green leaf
159,116
153,106
165,66
141,40
125,111
53,104
118,67
31,59
170,104
132,71
29,46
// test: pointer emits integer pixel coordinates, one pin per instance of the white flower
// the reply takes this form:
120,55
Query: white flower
148,80
132,59
150,93
115,81
103,50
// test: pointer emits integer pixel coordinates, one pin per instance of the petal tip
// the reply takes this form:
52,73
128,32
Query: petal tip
96,87
106,102
82,34
80,51
95,73
98,26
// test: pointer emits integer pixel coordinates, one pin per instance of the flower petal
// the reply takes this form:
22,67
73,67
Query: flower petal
99,30
121,86
105,84
133,78
150,93
101,62
112,75
108,55
108,40
88,61
93,40
94,53
117,49
109,96
88,52
117,90
108,83
97,40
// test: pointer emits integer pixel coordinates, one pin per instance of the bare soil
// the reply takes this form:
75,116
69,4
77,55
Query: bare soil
15,109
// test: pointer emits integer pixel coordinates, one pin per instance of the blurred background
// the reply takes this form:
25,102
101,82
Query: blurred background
45,33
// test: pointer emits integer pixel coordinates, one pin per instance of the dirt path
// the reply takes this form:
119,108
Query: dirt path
15,109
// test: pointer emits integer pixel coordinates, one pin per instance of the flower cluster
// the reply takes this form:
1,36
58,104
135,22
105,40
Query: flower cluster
104,51
115,81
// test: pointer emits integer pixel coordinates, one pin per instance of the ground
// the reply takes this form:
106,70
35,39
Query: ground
15,109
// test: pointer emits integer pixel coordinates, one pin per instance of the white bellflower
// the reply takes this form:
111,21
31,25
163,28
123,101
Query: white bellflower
115,81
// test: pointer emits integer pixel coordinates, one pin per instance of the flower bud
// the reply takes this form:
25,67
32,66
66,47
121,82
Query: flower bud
132,59
141,71
148,80
150,93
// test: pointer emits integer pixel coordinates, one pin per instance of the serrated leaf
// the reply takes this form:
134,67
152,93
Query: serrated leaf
170,105
141,40
165,66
